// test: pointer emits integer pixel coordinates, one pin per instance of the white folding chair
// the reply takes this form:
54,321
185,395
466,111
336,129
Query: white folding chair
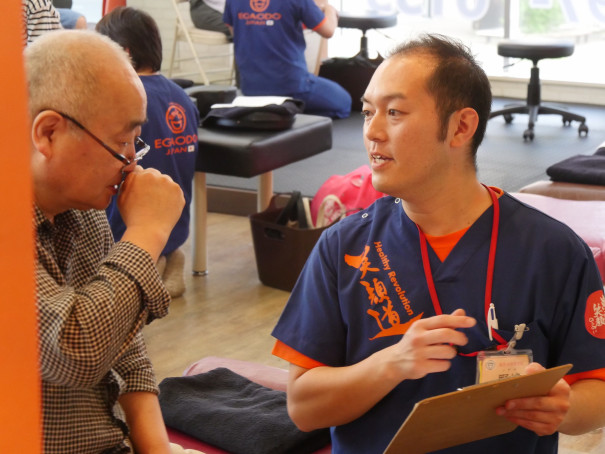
186,32
316,50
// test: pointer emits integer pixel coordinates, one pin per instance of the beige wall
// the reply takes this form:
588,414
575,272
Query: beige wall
163,13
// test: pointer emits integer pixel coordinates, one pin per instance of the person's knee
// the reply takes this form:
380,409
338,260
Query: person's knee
81,23
345,106
71,19
341,104
328,98
332,110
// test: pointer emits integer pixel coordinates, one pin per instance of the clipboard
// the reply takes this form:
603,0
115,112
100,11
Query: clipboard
469,414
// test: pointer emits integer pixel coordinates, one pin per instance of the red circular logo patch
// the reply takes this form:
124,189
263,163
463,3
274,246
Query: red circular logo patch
259,5
594,316
176,118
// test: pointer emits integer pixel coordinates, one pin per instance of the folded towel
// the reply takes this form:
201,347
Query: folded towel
584,169
229,411
271,117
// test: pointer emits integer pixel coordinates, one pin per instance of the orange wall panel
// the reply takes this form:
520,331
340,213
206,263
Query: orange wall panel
108,5
20,422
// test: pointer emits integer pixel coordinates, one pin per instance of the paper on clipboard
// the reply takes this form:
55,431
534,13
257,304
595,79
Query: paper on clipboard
469,414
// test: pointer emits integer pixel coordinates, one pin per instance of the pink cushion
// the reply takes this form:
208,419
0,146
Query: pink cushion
269,376
188,442
562,190
585,217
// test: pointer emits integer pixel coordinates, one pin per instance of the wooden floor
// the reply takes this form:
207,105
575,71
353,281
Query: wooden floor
230,313
226,313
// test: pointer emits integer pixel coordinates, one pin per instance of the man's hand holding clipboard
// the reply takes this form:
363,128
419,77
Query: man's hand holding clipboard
470,414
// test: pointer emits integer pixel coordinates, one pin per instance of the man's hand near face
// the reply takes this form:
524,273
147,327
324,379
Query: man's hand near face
150,204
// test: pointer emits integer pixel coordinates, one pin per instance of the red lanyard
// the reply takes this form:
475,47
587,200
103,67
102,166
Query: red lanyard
489,315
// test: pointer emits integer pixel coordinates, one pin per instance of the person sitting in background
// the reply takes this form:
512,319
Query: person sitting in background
39,17
208,15
269,52
70,19
94,296
396,302
170,130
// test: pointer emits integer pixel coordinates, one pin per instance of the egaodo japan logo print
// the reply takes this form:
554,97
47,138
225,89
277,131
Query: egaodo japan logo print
176,119
259,5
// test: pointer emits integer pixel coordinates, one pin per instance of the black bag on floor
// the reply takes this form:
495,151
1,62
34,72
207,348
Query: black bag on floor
353,74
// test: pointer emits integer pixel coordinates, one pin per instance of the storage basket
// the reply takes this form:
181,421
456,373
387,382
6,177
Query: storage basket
281,251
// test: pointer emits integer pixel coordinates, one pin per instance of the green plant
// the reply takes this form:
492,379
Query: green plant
540,20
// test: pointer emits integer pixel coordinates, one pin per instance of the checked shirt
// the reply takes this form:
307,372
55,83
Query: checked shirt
93,299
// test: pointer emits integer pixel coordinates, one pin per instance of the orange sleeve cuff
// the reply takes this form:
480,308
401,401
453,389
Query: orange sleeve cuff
597,374
320,24
283,351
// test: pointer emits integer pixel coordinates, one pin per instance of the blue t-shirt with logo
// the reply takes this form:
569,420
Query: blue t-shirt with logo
171,132
364,285
269,43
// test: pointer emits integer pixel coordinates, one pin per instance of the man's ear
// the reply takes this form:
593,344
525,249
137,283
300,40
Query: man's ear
463,123
45,127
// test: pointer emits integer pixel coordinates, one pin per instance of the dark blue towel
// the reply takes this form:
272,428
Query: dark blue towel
233,413
584,169
272,117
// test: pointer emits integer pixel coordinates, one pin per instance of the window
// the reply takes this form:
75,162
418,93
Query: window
482,23
91,9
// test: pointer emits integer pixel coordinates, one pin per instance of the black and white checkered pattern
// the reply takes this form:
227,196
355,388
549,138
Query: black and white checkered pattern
94,297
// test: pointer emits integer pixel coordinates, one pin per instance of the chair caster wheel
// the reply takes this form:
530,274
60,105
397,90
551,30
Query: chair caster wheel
528,135
566,121
508,118
582,129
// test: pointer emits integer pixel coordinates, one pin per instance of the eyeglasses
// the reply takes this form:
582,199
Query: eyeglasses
140,147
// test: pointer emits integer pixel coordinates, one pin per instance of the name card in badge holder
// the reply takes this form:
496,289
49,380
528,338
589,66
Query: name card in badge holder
493,365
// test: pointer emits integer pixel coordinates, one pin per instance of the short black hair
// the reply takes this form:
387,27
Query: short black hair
457,81
137,32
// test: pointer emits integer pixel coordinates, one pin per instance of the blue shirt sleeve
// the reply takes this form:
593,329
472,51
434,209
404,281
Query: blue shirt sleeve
311,15
227,16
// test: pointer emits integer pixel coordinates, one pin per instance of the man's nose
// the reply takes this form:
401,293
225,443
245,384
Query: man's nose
130,167
373,128
131,153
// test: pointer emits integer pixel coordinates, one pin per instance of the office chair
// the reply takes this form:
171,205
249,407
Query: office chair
364,22
536,51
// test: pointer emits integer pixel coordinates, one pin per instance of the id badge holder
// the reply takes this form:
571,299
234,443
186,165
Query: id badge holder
493,365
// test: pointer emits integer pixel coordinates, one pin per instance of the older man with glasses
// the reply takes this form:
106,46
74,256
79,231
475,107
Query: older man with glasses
93,295
140,147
